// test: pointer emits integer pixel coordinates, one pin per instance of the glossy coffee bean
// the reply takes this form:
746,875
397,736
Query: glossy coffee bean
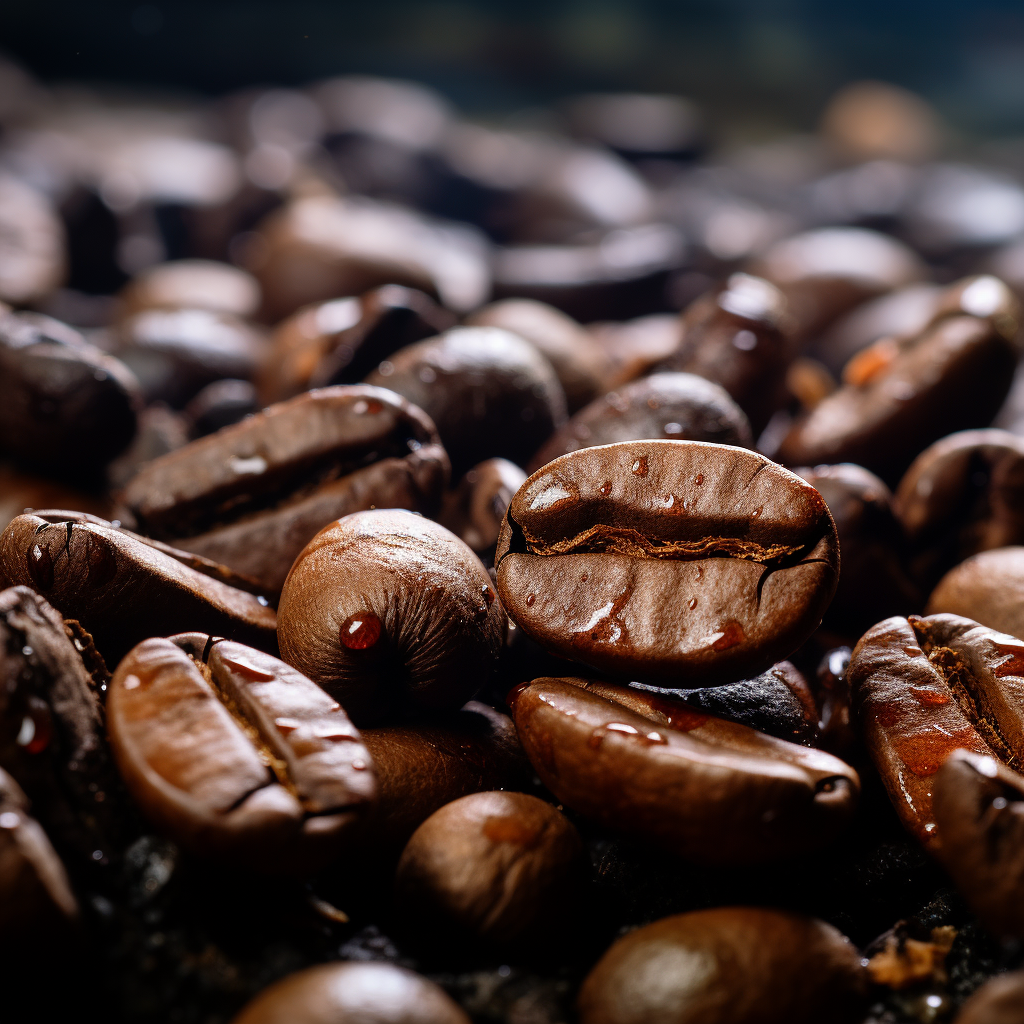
391,613
253,494
655,559
498,866
979,810
673,406
235,754
998,1001
124,590
988,588
734,965
709,790
491,393
33,259
924,687
474,510
191,284
353,993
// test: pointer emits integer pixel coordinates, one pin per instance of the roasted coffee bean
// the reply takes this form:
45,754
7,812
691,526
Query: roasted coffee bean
874,581
677,406
423,767
738,336
221,404
252,495
988,588
707,789
998,1001
65,407
353,993
962,495
191,284
491,393
33,261
667,559
923,687
978,805
391,613
124,590
497,866
578,361
733,965
474,510
235,754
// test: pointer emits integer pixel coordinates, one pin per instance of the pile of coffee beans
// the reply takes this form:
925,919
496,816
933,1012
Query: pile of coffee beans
568,570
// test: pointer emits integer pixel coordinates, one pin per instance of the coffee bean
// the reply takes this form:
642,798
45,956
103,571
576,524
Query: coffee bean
707,789
370,993
491,393
988,588
191,284
998,1001
654,558
734,965
391,613
837,734
252,495
497,866
161,430
474,510
924,687
123,589
676,406
219,405
235,754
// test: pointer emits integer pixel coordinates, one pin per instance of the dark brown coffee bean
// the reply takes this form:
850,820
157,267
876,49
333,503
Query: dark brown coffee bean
191,284
655,558
962,495
353,993
924,687
676,406
707,789
998,1001
978,805
498,866
235,754
474,510
221,404
389,612
124,590
252,495
32,259
65,407
634,348
578,361
733,965
491,393
738,336
988,588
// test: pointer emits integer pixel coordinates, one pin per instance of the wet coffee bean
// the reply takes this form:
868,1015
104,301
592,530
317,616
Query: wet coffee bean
391,613
123,589
252,495
474,510
497,866
999,1001
988,588
735,965
661,560
191,284
978,805
924,687
235,754
491,393
219,405
340,993
709,790
673,406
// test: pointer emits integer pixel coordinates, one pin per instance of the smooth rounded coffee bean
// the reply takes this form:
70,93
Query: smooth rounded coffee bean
924,687
498,866
709,790
252,495
123,589
979,810
191,284
988,588
673,406
391,613
474,511
998,1001
733,965
33,259
667,560
353,993
236,754
491,393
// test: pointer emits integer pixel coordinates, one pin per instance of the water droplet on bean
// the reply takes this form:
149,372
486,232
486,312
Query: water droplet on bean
360,631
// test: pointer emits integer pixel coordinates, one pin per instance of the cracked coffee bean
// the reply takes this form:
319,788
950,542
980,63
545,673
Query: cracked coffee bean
236,755
988,587
924,687
254,494
665,559
709,790
391,614
735,965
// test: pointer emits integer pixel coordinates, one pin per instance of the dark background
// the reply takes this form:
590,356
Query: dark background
763,63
